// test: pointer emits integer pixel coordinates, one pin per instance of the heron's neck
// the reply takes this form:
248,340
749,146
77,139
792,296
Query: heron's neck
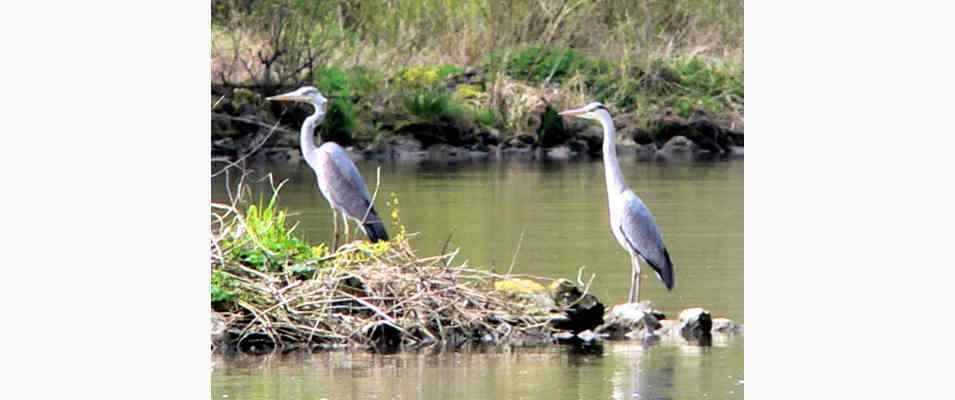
309,148
611,166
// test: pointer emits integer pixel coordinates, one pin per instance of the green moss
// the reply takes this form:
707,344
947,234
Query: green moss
468,92
519,286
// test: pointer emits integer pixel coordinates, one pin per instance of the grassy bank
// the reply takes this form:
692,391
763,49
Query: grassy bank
271,290
461,69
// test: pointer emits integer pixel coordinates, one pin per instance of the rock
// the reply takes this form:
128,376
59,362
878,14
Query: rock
695,324
526,289
587,336
646,152
678,144
558,153
594,137
385,336
563,336
525,139
725,325
446,152
404,144
629,320
583,311
579,146
489,137
736,151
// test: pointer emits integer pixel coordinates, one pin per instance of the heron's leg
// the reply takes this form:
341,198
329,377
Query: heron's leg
347,232
334,230
634,279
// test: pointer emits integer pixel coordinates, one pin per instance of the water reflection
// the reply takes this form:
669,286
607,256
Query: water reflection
623,370
653,378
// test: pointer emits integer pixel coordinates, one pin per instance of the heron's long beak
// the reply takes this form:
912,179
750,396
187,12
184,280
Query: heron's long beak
573,112
287,97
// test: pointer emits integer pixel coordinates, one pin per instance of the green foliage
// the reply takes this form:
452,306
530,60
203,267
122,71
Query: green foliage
438,105
485,117
447,70
339,123
433,104
355,82
425,77
537,64
696,76
552,131
267,244
222,287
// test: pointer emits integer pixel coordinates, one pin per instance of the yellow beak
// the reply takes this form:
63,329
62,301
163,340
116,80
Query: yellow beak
573,112
287,97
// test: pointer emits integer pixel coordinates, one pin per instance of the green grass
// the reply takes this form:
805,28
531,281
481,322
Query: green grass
539,63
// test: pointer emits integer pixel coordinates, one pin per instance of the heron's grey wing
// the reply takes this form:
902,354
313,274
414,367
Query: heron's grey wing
642,234
342,181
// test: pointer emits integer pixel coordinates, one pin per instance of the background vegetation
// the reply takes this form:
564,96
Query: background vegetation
461,67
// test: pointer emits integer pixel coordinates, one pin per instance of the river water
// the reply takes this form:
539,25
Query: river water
560,209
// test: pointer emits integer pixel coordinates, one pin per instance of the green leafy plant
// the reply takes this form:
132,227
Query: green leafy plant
266,243
222,287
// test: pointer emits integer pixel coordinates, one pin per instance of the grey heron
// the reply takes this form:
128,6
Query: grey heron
631,222
338,178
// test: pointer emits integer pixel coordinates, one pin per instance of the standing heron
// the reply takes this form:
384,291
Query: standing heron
338,178
631,222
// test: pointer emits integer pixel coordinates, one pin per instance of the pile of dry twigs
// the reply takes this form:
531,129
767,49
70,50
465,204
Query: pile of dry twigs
272,290
388,299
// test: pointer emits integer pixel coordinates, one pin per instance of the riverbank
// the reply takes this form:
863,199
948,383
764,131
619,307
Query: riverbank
478,77
448,113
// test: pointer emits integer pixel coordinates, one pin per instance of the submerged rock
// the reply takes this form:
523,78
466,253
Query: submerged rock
561,152
587,336
583,311
725,325
646,152
695,323
678,145
631,320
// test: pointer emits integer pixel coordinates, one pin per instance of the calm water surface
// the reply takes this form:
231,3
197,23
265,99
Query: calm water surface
562,209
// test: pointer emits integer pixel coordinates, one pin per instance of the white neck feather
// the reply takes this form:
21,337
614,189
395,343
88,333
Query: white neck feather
309,148
612,173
